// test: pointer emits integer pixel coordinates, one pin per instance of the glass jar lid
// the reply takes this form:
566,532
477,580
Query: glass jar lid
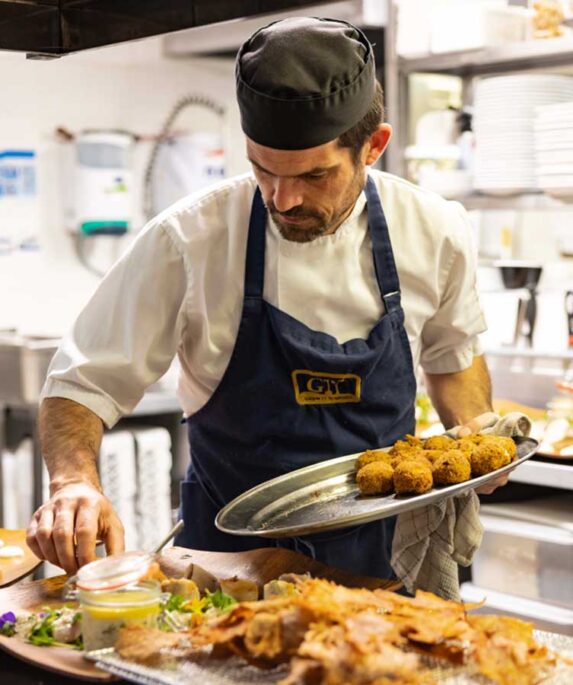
115,571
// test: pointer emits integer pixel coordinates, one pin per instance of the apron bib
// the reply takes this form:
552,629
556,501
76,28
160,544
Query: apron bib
291,397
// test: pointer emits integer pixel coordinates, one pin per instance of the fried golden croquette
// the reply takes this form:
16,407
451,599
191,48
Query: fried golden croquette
466,445
469,443
475,438
410,442
375,478
414,441
414,455
488,457
507,443
452,467
440,442
432,455
402,448
413,478
371,456
407,454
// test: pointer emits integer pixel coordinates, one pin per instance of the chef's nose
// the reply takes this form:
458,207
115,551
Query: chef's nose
286,194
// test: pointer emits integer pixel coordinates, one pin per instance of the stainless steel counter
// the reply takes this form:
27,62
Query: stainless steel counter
545,474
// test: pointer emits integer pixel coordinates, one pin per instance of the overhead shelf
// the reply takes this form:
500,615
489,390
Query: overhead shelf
521,202
534,54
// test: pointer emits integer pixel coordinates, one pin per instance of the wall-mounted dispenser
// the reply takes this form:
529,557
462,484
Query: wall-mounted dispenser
101,201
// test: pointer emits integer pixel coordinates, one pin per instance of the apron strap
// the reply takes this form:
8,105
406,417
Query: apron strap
255,262
384,264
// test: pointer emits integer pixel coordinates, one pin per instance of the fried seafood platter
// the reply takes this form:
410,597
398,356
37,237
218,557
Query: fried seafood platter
315,632
414,466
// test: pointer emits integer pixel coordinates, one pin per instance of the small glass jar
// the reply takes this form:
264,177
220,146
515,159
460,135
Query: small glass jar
114,592
104,612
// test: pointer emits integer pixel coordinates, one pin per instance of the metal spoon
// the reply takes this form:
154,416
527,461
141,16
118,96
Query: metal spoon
171,534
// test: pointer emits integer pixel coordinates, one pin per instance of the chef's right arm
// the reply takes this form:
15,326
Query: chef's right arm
64,530
122,342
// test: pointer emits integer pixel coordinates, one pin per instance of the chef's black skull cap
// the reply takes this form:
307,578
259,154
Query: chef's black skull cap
302,82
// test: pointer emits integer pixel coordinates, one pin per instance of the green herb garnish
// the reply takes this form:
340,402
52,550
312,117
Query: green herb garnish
8,629
42,632
219,600
175,603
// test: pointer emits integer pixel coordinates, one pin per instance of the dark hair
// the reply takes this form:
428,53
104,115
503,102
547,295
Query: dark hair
356,136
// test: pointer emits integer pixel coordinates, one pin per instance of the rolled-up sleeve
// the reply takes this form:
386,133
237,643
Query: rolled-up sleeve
126,336
450,337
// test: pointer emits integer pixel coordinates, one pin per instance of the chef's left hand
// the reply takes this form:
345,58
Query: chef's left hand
475,426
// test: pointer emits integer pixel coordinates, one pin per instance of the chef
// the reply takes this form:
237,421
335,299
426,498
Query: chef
299,300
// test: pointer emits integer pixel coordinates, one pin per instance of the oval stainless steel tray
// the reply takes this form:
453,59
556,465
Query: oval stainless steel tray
325,496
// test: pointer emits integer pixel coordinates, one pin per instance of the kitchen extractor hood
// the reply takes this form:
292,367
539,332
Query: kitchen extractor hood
51,28
227,37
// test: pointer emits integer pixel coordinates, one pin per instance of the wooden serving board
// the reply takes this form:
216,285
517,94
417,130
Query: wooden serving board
32,596
259,565
12,570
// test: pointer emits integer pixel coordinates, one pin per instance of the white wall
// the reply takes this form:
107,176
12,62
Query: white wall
130,87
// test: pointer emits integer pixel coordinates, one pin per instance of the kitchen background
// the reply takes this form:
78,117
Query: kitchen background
468,125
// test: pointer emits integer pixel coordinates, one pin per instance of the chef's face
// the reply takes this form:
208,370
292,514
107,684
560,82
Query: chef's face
310,192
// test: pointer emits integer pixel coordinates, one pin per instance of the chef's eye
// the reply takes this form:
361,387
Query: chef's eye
317,174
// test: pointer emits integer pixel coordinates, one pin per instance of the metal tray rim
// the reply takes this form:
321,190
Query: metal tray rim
396,506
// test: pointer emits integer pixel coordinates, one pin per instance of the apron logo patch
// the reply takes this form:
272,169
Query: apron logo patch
312,387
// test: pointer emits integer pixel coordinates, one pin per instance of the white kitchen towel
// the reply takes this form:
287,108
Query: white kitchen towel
511,425
431,541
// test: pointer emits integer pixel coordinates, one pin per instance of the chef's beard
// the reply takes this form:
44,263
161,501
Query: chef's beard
319,223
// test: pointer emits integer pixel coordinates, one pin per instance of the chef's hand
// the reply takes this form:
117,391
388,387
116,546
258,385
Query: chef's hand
64,530
475,426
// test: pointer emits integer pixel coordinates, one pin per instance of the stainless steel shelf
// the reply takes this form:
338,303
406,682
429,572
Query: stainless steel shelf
161,402
540,473
513,352
157,403
522,202
534,54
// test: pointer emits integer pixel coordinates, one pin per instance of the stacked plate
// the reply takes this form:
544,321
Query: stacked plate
504,116
554,149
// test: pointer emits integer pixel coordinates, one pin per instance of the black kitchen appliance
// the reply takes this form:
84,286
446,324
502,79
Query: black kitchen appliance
525,276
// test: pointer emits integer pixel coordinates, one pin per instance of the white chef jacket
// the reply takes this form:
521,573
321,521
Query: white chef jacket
179,290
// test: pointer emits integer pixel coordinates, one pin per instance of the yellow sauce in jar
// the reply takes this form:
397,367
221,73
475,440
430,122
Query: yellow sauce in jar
104,612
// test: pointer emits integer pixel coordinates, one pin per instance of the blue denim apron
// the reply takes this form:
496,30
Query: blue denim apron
291,397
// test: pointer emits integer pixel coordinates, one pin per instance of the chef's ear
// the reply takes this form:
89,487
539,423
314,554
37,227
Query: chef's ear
377,143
